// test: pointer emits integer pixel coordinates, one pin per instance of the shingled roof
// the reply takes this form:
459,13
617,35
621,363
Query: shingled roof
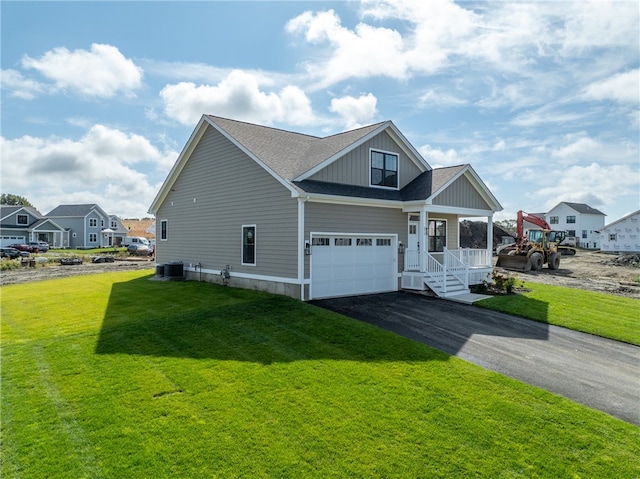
287,153
583,208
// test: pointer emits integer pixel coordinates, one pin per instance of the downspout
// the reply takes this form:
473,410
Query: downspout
301,245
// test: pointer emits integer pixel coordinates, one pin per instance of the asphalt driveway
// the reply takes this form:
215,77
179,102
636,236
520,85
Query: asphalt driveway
597,372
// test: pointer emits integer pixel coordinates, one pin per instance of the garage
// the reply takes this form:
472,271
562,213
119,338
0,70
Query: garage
350,264
7,240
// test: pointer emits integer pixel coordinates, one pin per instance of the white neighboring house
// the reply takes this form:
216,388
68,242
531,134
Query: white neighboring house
579,220
622,236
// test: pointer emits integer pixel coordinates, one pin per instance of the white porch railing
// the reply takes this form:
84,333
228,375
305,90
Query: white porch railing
473,258
452,265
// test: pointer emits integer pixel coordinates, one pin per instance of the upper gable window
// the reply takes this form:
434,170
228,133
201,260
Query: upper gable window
384,169
22,220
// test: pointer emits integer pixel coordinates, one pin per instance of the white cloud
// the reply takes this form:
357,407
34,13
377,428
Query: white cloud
19,86
101,72
355,112
597,185
438,158
361,53
623,88
100,165
238,96
434,98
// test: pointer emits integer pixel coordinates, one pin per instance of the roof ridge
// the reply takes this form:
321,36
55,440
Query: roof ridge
214,117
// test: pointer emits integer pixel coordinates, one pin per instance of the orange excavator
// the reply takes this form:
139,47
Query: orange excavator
533,251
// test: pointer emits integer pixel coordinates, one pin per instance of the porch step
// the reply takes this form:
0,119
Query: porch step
453,286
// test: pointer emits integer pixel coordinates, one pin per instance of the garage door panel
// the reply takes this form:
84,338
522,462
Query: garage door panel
343,265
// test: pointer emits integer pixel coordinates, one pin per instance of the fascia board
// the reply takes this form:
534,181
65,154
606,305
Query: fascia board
408,148
456,210
621,219
178,166
341,153
278,178
470,173
13,213
352,200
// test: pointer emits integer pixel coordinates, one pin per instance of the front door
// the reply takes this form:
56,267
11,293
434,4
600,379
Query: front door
414,241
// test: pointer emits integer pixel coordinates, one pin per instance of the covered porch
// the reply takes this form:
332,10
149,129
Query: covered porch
433,258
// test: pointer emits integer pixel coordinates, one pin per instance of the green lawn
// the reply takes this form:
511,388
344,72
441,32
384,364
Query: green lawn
115,376
601,314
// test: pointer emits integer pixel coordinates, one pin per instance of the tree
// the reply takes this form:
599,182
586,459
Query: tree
14,200
507,225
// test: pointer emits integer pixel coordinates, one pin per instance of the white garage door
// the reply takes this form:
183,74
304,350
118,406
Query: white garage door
347,264
7,240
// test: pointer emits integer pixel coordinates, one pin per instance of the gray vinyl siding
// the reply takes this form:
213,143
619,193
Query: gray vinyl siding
219,190
461,193
74,225
331,218
353,168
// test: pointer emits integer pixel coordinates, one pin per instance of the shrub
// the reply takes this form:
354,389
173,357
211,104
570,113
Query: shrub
9,264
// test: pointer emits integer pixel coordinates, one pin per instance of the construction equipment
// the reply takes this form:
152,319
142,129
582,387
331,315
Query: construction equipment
533,251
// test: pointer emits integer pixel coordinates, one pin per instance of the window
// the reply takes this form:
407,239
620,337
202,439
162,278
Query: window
613,237
101,223
93,222
320,242
384,169
93,238
163,230
249,245
554,220
571,219
437,235
22,220
571,232
383,242
584,234
114,225
342,242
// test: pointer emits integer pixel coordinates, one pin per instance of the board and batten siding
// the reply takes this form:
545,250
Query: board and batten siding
353,168
461,193
334,218
219,190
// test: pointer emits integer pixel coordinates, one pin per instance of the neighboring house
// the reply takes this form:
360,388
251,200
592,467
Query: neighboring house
89,226
23,224
579,220
144,228
354,213
622,236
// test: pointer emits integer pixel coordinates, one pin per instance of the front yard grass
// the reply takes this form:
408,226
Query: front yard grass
115,376
605,315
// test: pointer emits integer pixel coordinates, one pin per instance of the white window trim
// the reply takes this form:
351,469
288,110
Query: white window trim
255,249
446,233
91,220
397,155
95,240
165,221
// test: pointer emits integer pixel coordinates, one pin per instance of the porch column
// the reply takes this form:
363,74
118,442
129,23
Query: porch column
490,237
423,238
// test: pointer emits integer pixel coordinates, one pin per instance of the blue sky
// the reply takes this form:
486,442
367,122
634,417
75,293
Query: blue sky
541,98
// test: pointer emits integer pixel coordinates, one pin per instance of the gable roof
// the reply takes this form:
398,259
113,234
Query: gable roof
291,158
8,210
580,208
635,213
74,210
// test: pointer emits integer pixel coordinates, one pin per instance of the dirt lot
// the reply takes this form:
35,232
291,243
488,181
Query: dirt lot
592,271
587,270
52,271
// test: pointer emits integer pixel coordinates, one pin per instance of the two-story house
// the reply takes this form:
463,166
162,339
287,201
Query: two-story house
89,226
313,217
25,224
579,220
622,236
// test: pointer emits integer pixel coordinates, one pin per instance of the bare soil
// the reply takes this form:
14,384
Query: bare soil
53,271
591,271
